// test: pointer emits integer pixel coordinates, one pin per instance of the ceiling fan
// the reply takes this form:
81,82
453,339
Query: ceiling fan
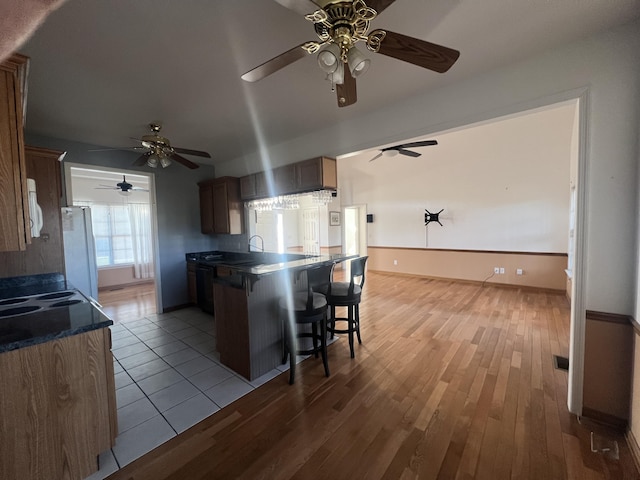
402,149
160,152
339,25
123,187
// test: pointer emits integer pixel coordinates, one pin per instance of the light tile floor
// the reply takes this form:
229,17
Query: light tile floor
168,378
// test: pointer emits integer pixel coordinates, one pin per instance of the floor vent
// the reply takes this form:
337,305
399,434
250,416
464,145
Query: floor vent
561,363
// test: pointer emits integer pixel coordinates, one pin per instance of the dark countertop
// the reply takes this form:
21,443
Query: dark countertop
50,324
258,263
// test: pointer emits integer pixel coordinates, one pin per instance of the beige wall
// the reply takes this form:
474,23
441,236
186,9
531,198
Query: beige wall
117,276
607,366
539,270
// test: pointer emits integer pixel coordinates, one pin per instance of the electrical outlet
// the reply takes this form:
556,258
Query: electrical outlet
496,270
395,262
518,271
501,270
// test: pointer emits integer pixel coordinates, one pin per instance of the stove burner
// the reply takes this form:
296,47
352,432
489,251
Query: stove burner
13,301
54,296
64,303
19,310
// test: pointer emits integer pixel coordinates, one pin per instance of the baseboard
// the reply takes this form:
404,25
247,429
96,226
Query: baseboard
619,424
177,307
483,283
634,448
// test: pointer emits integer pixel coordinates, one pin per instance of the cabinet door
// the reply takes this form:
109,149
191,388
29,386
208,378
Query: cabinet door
206,208
262,189
309,174
284,179
220,208
14,211
248,187
192,287
45,254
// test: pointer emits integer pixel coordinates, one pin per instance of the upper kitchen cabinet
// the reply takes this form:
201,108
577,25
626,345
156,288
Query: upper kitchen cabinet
314,174
14,211
254,186
45,254
221,210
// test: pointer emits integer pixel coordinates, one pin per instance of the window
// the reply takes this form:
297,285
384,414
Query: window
112,234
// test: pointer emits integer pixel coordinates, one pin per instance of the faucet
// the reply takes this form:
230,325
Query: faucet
251,238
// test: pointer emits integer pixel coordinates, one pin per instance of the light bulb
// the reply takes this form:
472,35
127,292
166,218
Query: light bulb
164,161
152,161
358,63
329,58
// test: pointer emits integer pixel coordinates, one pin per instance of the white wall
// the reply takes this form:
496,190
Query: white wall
503,185
607,66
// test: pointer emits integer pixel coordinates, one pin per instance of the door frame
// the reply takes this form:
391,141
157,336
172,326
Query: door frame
154,212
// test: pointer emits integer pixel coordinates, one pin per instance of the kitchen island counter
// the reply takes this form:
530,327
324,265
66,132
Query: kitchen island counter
246,291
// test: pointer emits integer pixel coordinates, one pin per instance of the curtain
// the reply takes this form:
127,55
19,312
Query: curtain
140,218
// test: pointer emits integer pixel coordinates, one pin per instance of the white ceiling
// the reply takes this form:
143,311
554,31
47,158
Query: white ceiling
102,70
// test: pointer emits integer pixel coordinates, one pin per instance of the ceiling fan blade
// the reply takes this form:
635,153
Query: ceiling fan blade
184,161
106,188
303,7
186,151
110,149
275,64
408,153
346,92
424,143
379,5
376,157
419,52
141,160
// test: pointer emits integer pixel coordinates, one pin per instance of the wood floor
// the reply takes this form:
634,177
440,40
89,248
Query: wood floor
128,302
452,380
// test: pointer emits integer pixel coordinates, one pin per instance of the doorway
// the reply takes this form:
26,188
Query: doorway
121,214
355,232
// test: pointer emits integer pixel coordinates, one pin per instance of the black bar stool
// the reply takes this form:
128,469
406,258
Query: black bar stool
347,294
306,308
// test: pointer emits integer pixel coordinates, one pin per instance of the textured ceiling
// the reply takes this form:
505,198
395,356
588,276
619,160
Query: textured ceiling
102,70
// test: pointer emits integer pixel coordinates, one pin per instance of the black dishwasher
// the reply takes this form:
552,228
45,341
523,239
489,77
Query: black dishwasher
204,287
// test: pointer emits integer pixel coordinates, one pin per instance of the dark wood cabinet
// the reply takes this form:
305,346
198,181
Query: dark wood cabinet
316,173
14,210
45,254
221,210
306,176
285,179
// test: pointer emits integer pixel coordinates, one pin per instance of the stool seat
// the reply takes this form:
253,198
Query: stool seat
347,294
299,304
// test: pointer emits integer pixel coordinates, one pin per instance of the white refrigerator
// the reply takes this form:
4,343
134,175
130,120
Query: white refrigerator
79,250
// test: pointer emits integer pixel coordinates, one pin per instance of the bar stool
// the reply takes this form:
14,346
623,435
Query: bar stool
306,308
347,294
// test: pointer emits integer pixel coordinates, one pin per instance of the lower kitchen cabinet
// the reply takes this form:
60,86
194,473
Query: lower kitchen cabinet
58,407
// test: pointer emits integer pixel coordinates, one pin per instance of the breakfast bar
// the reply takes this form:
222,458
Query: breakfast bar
246,289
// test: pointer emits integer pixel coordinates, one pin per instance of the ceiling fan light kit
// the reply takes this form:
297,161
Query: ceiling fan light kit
339,25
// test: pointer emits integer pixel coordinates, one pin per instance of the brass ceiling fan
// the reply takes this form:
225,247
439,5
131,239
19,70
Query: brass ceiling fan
402,149
159,151
339,25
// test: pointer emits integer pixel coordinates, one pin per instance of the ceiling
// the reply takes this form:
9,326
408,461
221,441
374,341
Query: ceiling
101,71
